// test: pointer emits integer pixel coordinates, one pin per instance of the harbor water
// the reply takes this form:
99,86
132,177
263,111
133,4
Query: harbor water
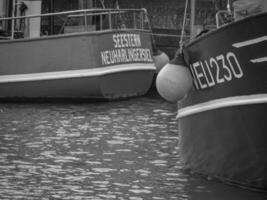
125,150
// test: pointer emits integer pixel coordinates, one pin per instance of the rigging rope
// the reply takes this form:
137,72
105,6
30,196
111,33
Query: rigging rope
183,27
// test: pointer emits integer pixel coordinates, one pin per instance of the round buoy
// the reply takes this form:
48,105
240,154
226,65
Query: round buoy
174,82
160,60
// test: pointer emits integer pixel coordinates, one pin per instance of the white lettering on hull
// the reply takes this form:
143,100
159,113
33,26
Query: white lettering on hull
126,55
126,40
127,48
216,70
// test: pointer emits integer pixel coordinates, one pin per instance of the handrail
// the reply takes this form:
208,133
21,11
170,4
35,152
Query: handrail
70,12
93,14
111,13
217,17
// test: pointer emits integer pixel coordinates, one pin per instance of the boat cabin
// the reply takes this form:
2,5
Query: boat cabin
211,14
36,18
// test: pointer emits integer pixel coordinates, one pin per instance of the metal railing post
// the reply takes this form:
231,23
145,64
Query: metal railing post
13,19
85,21
134,19
110,21
85,14
142,20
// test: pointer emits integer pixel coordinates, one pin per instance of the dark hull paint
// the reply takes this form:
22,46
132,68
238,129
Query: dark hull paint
229,141
38,56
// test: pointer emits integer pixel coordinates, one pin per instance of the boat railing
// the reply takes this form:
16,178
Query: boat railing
78,21
223,17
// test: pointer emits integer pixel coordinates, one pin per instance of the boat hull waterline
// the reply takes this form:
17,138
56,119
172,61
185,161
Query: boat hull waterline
222,120
103,65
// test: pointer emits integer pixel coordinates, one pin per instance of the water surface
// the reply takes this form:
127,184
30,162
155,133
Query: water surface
107,150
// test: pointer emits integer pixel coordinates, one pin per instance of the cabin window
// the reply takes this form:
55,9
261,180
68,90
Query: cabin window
203,15
53,24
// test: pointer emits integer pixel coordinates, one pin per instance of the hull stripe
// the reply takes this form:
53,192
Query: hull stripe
222,103
259,60
250,42
75,73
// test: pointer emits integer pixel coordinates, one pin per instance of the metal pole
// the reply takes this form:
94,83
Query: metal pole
85,21
13,20
101,22
134,19
110,22
51,18
192,20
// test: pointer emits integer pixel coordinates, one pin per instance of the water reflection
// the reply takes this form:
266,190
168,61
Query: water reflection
112,150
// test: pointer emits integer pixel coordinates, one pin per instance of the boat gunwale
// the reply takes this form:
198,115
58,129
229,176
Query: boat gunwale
220,103
84,33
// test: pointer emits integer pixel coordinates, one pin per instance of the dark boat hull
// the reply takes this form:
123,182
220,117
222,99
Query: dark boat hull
222,121
97,65
107,86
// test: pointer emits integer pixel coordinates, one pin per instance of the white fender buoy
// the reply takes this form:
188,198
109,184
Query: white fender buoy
160,60
174,82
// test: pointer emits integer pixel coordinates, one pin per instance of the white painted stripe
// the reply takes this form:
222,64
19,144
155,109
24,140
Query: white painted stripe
250,42
76,73
259,60
222,103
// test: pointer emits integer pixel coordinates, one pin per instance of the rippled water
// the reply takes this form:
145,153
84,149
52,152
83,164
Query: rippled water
109,150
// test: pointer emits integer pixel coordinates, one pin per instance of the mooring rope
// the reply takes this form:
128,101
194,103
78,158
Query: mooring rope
183,27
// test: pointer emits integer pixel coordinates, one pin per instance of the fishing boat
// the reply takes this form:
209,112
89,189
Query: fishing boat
222,115
96,53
